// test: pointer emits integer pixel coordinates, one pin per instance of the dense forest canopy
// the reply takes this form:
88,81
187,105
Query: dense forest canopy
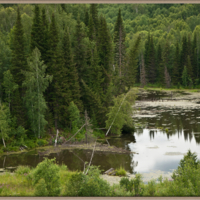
56,61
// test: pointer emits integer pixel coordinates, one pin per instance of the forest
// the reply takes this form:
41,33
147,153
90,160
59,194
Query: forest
62,63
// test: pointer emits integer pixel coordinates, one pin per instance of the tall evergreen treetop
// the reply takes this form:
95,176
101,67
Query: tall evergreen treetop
18,54
37,30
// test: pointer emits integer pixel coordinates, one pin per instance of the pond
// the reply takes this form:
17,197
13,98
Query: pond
163,135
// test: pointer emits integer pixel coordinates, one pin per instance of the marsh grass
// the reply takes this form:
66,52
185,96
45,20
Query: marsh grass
120,171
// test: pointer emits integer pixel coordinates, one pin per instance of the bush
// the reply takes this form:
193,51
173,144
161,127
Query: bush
41,188
127,184
42,142
151,187
22,170
87,185
120,171
49,171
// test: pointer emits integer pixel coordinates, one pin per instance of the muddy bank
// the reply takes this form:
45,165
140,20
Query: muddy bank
104,148
146,177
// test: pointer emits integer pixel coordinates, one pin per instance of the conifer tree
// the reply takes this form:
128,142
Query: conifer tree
86,19
66,82
184,54
159,66
18,64
131,68
105,52
37,30
143,73
151,64
18,54
119,40
176,66
194,57
185,77
91,31
94,13
167,77
44,38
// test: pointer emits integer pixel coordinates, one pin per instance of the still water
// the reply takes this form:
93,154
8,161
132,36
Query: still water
161,139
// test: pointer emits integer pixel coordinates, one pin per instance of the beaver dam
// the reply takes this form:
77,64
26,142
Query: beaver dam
165,130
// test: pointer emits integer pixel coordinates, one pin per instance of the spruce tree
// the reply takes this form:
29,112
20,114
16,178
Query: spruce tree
86,19
176,67
143,80
37,30
131,68
66,82
105,52
194,57
18,64
44,38
94,13
18,61
151,63
91,29
119,41
159,66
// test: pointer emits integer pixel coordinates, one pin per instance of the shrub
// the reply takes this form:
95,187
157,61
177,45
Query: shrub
80,184
22,170
41,188
42,142
120,171
49,171
127,184
151,187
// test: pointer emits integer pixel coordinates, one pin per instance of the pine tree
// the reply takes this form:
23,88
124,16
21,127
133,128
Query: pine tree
119,40
176,66
94,13
143,80
86,19
131,68
167,78
18,54
44,38
159,66
189,70
151,64
147,51
184,54
66,82
18,64
105,52
37,30
194,57
91,31
185,77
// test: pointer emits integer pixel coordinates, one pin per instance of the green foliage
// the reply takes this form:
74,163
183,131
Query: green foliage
41,188
49,171
74,117
151,187
120,171
42,142
36,83
22,170
124,116
87,185
127,184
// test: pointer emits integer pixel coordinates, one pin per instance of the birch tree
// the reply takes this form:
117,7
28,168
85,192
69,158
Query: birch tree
4,123
36,82
9,85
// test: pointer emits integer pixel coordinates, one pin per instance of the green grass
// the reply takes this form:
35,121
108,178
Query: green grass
120,171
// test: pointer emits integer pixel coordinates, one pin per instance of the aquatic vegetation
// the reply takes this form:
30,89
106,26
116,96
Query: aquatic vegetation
120,171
